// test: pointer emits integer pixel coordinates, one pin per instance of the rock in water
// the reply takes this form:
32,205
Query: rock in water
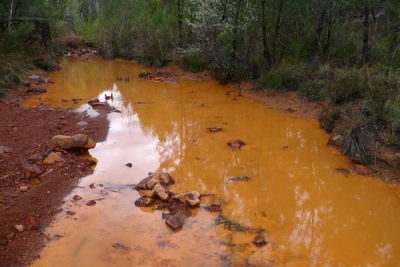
144,202
192,198
175,222
236,144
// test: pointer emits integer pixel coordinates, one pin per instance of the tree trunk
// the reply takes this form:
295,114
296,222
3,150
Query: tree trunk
9,19
317,41
365,50
180,21
329,29
276,32
266,53
235,30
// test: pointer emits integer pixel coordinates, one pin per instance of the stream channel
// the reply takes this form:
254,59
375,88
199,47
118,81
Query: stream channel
313,214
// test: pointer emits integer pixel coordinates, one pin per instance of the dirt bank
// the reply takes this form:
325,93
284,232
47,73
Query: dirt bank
32,203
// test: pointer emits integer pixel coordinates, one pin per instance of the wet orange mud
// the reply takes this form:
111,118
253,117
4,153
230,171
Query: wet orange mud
314,215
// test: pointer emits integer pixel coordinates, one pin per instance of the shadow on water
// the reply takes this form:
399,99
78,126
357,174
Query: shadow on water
294,199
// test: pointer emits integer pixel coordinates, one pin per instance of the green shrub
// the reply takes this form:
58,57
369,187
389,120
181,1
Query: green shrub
348,85
42,63
393,118
356,134
353,144
314,89
285,77
193,63
383,89
225,73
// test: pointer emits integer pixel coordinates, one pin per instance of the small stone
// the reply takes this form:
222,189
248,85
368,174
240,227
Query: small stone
52,158
5,149
144,202
214,129
175,222
361,169
239,178
34,158
236,144
161,192
3,242
31,223
91,203
146,193
91,185
70,212
119,245
73,142
165,179
259,241
129,165
192,198
35,77
19,227
212,208
31,170
76,197
23,188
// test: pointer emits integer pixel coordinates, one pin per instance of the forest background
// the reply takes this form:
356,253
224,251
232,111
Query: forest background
345,53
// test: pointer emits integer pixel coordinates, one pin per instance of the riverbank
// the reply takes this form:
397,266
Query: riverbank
31,203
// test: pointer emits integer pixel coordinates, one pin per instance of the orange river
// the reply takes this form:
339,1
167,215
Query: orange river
313,214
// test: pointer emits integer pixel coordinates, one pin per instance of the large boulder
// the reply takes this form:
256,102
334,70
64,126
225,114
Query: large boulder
77,141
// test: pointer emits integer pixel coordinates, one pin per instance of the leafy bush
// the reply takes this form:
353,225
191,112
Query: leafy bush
285,77
43,63
193,63
383,89
348,84
314,89
225,73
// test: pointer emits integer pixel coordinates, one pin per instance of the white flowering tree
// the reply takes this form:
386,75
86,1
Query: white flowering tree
216,28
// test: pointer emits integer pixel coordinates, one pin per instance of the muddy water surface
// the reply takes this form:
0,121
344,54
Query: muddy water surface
314,215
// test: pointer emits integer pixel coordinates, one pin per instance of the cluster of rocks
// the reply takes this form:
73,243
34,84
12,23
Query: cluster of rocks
160,76
57,144
86,52
176,207
35,84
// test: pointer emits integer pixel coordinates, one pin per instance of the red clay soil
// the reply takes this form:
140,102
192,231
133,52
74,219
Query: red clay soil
32,203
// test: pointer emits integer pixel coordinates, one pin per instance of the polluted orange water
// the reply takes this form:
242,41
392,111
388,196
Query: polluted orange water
312,214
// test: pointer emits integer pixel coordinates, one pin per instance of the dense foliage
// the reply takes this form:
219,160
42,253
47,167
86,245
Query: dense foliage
341,50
